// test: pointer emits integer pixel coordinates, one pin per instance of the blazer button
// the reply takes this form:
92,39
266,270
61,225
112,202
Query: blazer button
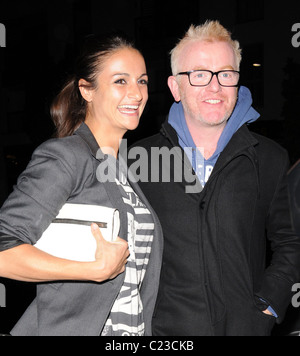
202,205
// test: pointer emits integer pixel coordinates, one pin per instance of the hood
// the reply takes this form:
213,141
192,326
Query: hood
243,113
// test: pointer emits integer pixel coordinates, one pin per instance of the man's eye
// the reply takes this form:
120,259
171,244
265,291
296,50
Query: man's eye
201,75
226,75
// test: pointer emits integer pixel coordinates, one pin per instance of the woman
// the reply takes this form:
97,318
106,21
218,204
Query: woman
115,294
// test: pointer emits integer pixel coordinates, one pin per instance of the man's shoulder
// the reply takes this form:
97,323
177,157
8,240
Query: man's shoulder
151,141
269,145
167,136
270,152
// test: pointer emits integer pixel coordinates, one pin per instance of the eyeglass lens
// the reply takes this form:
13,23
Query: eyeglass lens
203,77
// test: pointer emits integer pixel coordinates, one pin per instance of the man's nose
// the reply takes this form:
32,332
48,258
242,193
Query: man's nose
214,85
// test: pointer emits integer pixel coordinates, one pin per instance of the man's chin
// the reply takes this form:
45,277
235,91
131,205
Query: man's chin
212,122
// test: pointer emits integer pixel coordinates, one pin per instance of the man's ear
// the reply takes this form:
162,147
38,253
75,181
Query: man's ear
173,85
85,90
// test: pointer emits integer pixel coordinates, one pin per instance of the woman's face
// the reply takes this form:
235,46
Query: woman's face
118,102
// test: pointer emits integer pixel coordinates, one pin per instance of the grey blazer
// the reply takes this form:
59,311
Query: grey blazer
64,170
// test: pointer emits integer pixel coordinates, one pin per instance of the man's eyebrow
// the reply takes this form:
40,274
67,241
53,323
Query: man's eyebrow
229,67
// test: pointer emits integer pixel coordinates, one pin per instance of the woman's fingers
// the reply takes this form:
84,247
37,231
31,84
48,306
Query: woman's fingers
112,255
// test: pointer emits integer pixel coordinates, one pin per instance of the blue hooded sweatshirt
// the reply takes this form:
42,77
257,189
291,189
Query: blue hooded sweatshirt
242,114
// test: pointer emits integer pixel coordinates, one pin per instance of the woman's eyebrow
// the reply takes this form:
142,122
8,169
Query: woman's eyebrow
118,74
144,75
128,75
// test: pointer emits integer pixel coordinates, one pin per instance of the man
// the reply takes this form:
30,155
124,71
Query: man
214,279
294,189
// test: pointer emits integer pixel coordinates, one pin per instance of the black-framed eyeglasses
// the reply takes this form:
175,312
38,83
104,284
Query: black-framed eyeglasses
202,78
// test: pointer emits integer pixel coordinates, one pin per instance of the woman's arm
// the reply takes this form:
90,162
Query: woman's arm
29,264
41,191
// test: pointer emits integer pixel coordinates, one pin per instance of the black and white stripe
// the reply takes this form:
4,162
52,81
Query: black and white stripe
126,317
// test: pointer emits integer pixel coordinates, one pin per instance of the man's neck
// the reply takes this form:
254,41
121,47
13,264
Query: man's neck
205,137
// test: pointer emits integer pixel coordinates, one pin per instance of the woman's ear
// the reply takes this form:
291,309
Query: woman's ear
173,85
85,90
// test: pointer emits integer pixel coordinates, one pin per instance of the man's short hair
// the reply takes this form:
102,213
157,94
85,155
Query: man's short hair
210,31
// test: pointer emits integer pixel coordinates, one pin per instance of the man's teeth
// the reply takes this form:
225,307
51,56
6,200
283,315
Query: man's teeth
213,101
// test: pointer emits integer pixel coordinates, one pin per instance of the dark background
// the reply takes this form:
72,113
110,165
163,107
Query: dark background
43,37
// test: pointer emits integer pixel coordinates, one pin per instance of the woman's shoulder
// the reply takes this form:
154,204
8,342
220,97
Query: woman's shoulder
67,148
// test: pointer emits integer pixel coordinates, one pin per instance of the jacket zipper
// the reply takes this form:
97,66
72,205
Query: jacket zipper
201,205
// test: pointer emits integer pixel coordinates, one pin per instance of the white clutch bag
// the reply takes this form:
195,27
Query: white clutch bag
69,235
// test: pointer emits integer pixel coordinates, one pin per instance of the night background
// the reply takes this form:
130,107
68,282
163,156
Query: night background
42,40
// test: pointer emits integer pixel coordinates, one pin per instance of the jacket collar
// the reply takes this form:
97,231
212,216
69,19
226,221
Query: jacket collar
241,143
86,134
241,140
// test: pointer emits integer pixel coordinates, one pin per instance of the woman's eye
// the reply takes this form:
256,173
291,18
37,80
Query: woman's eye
120,81
143,82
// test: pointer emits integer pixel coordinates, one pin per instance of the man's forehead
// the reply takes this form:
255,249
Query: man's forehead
195,54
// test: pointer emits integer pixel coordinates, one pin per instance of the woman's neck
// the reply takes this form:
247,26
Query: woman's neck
107,138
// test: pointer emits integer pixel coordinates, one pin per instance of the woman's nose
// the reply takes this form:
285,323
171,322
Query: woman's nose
135,92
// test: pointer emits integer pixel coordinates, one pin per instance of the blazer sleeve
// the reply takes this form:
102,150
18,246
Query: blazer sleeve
41,191
284,269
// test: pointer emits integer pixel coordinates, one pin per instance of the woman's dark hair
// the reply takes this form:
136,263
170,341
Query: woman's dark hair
68,109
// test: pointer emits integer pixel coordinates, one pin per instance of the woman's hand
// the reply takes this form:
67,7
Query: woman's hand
111,257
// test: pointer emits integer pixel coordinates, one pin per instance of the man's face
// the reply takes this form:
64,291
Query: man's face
213,104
